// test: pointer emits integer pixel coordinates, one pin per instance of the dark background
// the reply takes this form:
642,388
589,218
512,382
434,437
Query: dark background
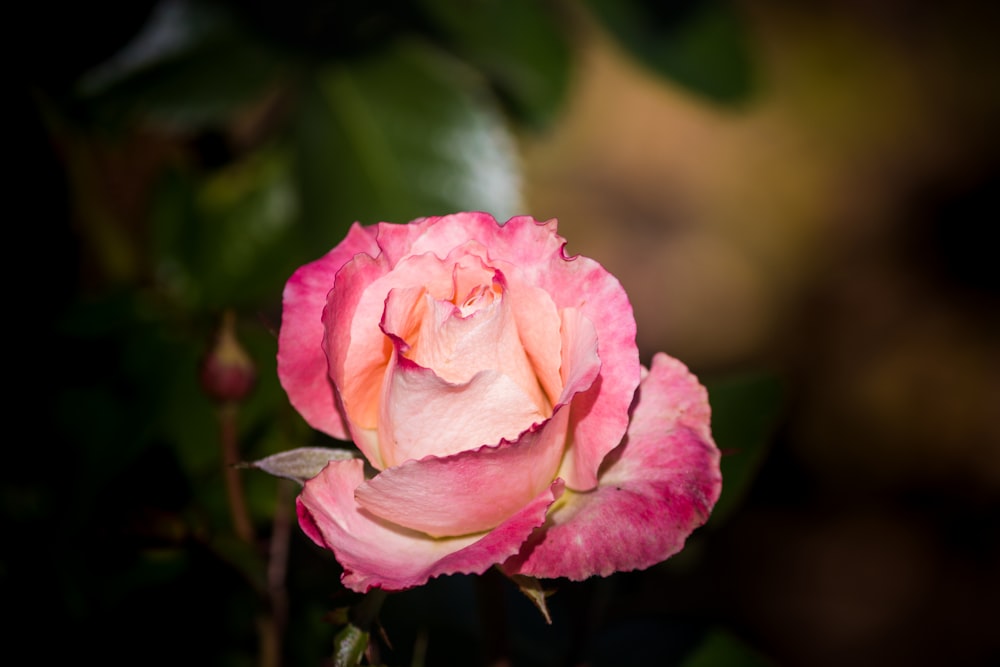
799,199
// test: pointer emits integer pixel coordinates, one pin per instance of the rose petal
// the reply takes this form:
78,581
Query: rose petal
521,241
302,365
375,553
579,341
358,349
600,415
470,491
424,415
440,235
538,325
459,341
356,361
654,490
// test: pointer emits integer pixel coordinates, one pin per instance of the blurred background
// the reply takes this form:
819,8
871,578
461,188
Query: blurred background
798,198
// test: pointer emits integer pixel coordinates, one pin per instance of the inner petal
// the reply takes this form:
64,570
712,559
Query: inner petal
424,415
480,333
460,376
358,352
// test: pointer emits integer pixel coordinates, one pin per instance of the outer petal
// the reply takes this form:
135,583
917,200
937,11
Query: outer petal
655,489
358,384
375,553
440,235
470,491
302,366
600,415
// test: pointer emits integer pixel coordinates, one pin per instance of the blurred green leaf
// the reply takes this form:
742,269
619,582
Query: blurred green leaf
407,133
700,44
721,649
349,646
189,66
225,239
745,413
520,45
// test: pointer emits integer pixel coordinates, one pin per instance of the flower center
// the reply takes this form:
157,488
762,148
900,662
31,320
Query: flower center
480,297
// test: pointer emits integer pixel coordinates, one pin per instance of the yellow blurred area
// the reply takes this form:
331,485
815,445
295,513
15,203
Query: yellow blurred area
833,229
749,235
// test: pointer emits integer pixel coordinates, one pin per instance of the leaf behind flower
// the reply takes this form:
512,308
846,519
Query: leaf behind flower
302,464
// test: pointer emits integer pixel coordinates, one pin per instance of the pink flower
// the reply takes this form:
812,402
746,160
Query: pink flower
494,386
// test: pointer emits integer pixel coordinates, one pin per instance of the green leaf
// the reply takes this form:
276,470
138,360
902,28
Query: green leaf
301,464
721,649
350,643
189,66
400,135
520,45
227,239
349,646
703,46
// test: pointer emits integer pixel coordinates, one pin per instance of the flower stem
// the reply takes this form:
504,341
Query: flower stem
277,564
352,641
234,482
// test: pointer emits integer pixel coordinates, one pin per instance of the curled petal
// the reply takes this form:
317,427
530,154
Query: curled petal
600,415
375,553
538,325
424,415
357,359
655,489
460,340
302,365
470,491
357,348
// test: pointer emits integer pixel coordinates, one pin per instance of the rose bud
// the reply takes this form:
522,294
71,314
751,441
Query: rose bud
493,386
227,371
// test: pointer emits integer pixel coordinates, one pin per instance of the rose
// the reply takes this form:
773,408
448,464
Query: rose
493,384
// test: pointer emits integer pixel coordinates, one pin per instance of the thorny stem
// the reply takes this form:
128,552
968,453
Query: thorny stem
364,613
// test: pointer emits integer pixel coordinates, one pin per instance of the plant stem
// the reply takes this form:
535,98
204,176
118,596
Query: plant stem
270,625
234,482
277,564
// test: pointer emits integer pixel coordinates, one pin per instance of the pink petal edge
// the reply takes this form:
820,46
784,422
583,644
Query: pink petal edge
654,490
302,365
375,553
470,491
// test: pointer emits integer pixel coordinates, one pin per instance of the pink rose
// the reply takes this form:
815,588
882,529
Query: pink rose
494,386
